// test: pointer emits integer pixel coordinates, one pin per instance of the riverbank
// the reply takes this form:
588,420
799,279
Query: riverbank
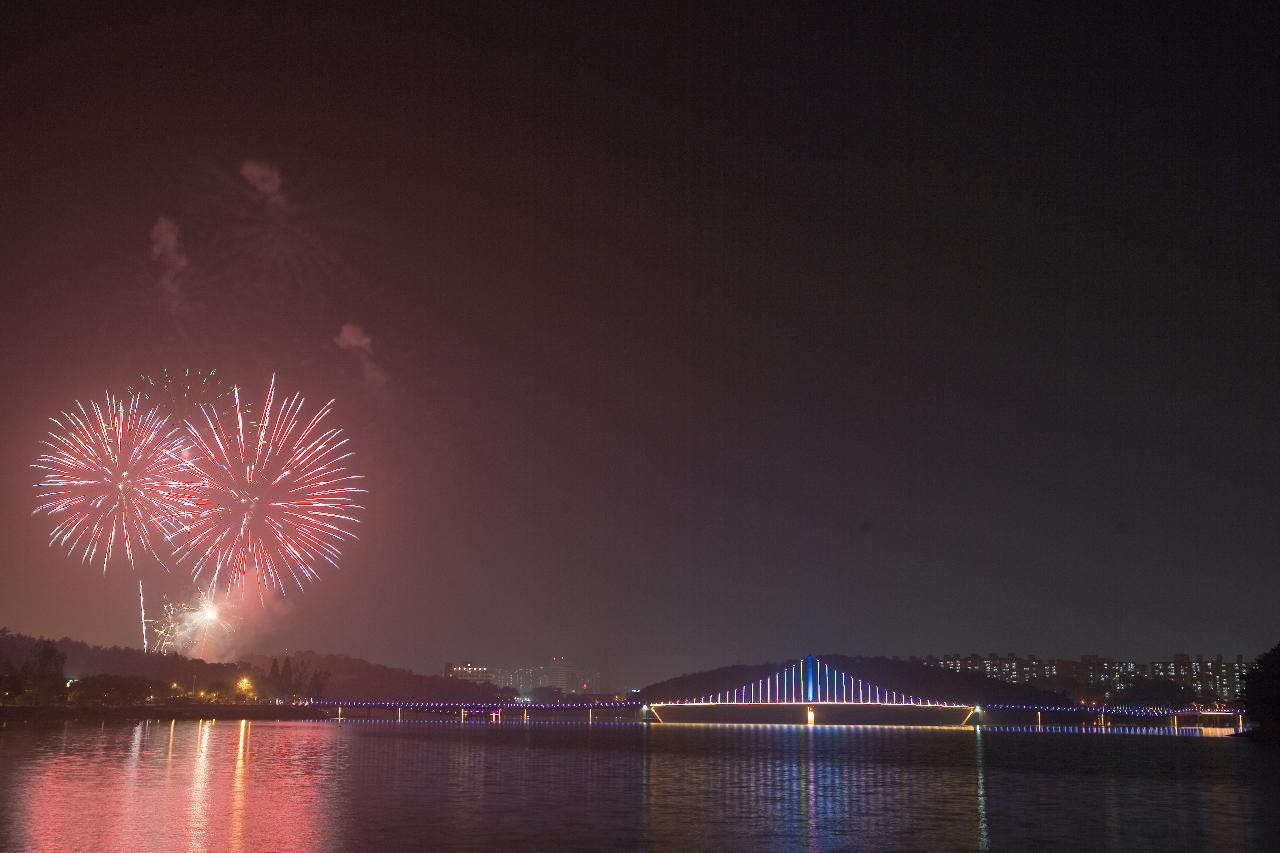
63,713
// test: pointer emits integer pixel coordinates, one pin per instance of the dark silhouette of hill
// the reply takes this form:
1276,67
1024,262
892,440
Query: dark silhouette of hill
1262,694
903,676
358,679
343,677
84,660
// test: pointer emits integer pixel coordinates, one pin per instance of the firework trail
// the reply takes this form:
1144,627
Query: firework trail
114,471
278,502
142,614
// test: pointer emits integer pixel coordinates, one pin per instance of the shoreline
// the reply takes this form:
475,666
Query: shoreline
129,713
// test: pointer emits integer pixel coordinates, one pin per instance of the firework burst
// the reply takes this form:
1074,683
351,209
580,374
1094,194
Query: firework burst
184,624
181,394
114,471
260,234
277,503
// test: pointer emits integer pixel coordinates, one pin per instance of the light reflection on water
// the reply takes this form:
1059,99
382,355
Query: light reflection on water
378,785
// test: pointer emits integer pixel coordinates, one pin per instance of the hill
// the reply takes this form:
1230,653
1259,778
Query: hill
358,679
340,676
84,660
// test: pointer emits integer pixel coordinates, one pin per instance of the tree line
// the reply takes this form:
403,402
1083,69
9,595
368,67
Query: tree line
41,671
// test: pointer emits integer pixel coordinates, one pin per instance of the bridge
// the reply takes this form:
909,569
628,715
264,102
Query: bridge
816,686
825,694
808,681
495,710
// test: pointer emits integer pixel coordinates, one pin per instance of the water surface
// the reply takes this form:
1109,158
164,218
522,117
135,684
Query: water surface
370,785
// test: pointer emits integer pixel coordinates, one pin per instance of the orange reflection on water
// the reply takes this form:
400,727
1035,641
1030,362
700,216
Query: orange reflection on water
237,792
176,786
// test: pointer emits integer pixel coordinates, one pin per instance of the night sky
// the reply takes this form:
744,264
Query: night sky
695,335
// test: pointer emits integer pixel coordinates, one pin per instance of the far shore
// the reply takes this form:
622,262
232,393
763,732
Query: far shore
71,713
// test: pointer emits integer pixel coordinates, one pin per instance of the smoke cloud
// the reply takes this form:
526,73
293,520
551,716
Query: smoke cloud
352,338
251,623
166,252
266,179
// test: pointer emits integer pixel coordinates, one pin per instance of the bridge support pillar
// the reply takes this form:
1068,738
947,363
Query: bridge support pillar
809,716
339,712
463,711
399,715
526,715
590,715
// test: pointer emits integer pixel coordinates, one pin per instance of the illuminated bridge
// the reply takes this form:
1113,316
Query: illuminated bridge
495,711
811,691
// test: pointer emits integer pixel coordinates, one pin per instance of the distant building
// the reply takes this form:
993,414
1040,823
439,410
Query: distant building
467,671
1224,679
520,679
1124,675
1011,668
559,673
1095,675
571,678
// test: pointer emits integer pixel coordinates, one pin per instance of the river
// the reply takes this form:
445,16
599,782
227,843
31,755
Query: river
383,786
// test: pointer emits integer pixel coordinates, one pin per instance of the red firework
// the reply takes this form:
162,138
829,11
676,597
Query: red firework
275,505
112,471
